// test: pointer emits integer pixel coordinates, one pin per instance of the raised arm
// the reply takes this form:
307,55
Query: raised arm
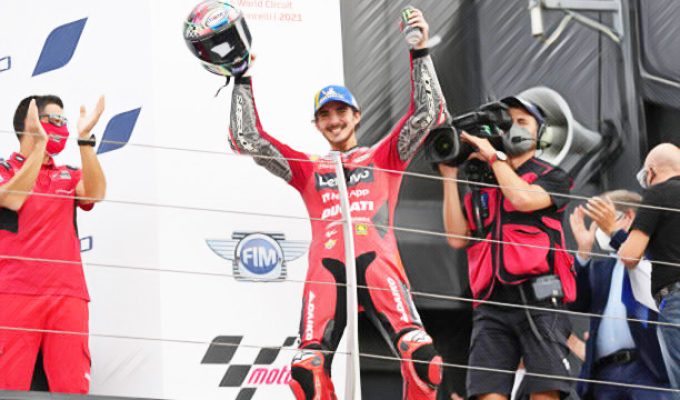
427,108
16,187
248,137
427,103
92,185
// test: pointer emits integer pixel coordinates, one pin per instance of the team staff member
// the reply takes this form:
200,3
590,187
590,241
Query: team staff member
617,350
34,293
373,195
656,233
521,211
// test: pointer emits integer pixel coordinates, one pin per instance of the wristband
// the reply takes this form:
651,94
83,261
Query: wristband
242,80
618,238
418,53
91,141
493,159
497,156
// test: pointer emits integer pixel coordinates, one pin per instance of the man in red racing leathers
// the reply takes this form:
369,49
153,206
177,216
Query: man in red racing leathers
373,195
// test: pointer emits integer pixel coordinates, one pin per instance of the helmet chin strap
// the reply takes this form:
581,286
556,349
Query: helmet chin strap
223,86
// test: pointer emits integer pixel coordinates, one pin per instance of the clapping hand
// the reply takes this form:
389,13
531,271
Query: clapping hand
87,121
602,211
33,126
585,237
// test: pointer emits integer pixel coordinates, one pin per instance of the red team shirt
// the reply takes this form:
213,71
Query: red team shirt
44,228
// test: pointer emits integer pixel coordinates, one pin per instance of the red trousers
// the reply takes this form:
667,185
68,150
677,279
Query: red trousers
66,357
387,303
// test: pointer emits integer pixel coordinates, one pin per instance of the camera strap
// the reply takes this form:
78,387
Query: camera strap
477,212
537,334
532,324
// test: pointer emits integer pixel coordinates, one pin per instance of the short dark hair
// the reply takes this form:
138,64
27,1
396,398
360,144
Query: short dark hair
22,110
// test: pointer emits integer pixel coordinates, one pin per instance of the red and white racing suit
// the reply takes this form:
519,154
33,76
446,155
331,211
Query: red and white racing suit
373,195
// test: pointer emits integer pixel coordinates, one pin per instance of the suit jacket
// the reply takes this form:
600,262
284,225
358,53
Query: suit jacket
593,282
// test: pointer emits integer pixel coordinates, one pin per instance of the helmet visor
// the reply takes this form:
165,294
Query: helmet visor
229,45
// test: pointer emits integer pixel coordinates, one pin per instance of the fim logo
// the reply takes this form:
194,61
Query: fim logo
264,371
258,256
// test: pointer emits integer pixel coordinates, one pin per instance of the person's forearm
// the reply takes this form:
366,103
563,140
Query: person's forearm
517,191
16,191
94,181
427,108
455,223
633,248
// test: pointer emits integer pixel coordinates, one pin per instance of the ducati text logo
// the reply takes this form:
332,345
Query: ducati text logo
258,256
353,207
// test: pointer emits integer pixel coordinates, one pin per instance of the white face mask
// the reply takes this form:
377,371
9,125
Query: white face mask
603,240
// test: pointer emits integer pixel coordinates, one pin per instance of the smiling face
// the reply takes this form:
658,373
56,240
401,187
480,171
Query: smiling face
337,122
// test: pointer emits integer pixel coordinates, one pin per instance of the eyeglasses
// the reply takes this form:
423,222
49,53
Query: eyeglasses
55,119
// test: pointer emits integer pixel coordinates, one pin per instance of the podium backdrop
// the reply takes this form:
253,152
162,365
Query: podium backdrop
152,328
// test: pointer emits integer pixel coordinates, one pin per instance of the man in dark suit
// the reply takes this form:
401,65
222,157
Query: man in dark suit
617,350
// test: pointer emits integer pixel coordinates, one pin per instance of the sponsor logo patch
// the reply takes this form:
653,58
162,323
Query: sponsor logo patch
354,177
271,366
330,243
396,295
361,229
309,323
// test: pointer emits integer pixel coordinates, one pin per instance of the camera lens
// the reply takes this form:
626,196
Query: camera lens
443,145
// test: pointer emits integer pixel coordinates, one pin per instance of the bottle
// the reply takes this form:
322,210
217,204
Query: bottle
411,34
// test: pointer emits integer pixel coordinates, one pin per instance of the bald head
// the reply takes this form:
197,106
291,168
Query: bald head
664,156
664,162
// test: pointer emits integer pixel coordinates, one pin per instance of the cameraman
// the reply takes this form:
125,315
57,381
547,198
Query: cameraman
515,258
